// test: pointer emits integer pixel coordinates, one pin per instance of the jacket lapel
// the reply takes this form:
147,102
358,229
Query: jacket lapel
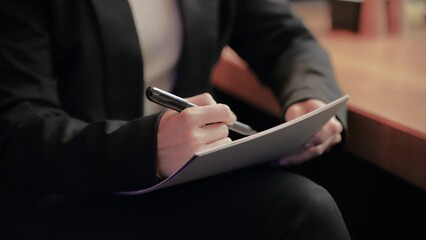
200,49
122,58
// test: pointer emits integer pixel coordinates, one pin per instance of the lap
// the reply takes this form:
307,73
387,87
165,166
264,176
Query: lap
240,205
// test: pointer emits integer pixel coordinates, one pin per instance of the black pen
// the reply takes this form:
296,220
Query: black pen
178,104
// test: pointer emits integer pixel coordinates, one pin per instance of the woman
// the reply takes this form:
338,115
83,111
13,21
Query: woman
74,121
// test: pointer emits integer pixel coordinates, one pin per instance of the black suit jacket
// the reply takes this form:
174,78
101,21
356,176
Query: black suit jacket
71,83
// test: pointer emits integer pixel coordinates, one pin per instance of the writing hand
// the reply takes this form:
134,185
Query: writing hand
325,139
194,129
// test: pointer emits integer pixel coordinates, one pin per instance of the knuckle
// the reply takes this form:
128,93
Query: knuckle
208,98
227,110
223,107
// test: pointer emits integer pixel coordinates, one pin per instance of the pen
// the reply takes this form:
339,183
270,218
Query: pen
178,104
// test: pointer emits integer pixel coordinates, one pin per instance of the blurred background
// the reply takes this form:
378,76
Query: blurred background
378,48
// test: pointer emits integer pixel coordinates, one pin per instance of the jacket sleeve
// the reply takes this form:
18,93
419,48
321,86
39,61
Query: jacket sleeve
44,148
283,53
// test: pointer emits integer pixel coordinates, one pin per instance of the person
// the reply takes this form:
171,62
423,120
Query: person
76,129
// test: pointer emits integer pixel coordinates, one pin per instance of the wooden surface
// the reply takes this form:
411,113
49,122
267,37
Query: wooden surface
385,74
387,144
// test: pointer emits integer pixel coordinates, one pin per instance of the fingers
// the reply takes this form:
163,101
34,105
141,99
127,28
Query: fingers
331,129
202,99
214,132
217,143
201,116
294,111
307,153
300,108
324,140
195,129
196,138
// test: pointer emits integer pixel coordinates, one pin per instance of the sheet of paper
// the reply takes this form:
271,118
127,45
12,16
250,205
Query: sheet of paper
264,146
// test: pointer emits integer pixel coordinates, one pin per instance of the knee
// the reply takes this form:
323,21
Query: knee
315,210
309,198
314,202
291,191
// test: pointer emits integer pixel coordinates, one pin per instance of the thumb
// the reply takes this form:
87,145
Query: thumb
294,111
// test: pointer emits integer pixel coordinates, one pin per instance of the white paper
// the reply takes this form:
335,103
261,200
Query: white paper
264,146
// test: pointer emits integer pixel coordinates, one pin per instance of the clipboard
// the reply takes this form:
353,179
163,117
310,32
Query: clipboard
268,145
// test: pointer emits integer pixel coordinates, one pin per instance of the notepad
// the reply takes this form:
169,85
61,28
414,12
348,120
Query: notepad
258,148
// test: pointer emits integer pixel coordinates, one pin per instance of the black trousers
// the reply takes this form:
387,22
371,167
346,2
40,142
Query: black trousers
255,203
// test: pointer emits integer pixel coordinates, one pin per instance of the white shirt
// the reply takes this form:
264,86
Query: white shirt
159,29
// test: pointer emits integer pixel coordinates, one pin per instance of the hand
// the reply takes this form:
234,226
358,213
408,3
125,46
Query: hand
194,129
325,139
